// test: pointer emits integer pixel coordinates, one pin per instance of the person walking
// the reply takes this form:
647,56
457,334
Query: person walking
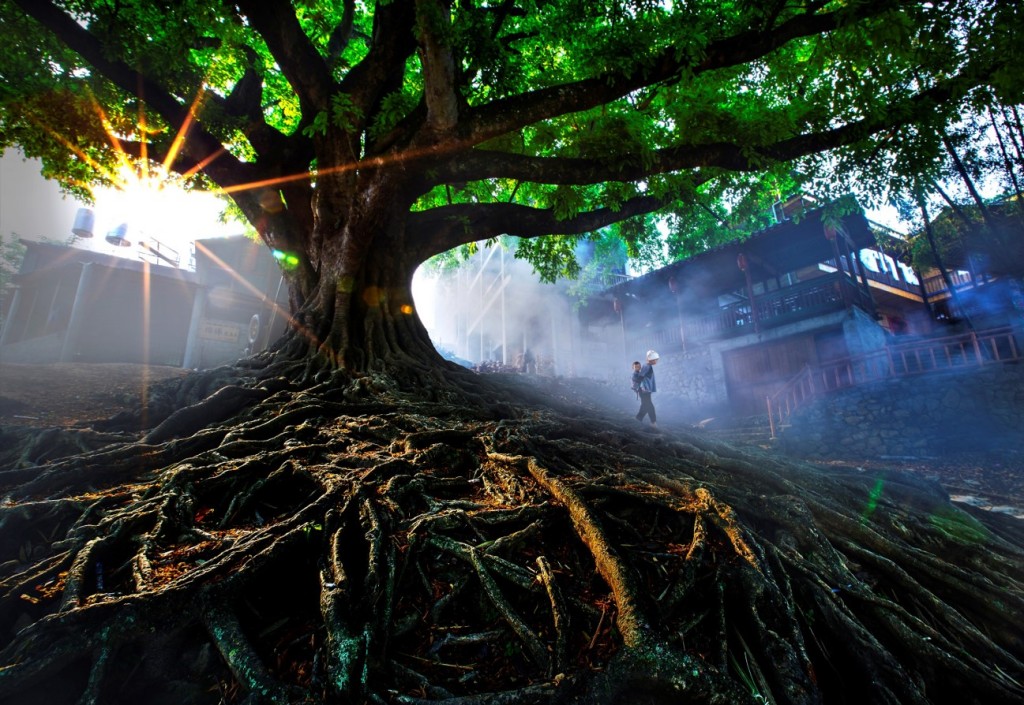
646,386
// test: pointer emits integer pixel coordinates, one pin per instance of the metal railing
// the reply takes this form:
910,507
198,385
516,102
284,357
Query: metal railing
993,346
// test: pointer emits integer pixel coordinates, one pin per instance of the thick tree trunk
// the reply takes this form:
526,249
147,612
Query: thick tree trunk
359,314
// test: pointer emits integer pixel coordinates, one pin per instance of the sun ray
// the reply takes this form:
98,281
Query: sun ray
372,163
143,133
186,125
202,165
108,129
240,279
147,322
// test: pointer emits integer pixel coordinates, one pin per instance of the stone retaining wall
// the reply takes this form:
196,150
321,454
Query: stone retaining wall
927,415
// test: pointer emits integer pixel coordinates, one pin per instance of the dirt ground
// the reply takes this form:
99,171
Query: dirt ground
71,394
68,395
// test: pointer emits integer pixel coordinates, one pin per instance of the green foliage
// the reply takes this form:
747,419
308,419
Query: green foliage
701,143
552,257
965,241
393,108
344,115
318,126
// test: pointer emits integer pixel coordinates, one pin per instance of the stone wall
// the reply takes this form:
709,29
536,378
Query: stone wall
689,377
969,410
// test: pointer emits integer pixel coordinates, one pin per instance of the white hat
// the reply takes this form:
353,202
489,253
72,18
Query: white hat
652,355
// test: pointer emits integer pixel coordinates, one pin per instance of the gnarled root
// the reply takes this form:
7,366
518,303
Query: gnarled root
346,545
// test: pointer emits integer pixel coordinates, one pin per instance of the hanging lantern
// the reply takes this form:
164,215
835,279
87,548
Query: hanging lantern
830,232
741,262
673,285
617,305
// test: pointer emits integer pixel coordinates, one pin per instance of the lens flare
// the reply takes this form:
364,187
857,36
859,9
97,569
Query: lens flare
287,260
873,497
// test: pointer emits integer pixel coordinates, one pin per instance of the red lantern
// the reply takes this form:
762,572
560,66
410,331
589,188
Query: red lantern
830,232
617,305
673,285
741,262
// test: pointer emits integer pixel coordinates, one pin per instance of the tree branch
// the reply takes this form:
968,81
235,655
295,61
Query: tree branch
341,34
438,65
300,62
443,228
485,164
382,70
504,116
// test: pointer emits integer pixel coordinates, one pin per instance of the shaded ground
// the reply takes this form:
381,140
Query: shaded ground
72,394
336,540
77,394
987,480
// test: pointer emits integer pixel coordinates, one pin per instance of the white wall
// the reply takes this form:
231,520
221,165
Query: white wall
32,207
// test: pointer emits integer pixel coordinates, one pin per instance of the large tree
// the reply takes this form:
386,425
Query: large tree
364,138
346,539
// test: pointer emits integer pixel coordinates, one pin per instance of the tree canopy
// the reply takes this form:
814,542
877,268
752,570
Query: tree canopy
345,128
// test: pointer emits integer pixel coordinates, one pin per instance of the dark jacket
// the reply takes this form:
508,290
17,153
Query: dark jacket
644,379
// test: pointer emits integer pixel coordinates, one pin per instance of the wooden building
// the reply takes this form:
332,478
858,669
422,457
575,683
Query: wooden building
734,324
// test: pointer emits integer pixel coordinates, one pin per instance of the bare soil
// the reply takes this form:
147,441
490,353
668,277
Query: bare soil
74,394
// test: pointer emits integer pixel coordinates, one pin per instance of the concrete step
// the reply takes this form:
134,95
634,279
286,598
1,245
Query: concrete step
747,430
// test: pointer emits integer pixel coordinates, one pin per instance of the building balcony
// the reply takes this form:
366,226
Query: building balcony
825,294
818,297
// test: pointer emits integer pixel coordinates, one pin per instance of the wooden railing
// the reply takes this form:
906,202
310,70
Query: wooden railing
994,346
774,308
784,402
896,282
936,284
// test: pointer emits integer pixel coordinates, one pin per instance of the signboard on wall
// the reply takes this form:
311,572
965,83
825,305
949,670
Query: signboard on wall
223,331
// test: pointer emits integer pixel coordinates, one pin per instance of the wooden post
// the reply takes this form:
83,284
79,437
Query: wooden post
830,235
741,262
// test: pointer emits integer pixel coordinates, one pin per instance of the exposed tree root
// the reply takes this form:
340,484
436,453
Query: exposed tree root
347,543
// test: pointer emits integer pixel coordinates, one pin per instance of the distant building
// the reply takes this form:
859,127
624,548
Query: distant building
74,305
494,312
733,325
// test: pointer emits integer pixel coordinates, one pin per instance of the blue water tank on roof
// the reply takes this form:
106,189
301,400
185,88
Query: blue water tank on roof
85,219
117,236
